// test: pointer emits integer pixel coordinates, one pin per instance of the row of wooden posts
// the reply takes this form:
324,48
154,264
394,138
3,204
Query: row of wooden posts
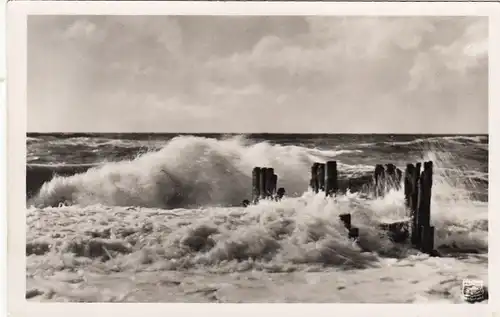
417,190
264,184
324,178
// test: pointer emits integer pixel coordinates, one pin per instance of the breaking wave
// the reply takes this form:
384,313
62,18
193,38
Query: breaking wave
188,172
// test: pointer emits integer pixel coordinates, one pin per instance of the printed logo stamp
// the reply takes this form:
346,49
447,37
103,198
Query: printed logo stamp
473,290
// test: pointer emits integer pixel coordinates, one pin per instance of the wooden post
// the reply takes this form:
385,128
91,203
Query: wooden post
269,182
415,182
399,176
410,188
321,177
280,193
427,243
424,207
378,177
410,169
274,185
346,220
424,197
314,177
390,176
262,185
331,181
414,197
255,184
353,233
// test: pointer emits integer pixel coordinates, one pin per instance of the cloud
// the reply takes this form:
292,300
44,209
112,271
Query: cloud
317,74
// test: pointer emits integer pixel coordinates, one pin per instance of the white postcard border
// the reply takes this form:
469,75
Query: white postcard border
17,12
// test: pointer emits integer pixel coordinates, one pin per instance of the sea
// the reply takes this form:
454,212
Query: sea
167,207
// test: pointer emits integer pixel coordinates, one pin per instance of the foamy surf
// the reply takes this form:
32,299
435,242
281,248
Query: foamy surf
299,237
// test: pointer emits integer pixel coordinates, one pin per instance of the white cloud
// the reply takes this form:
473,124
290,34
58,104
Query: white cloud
349,70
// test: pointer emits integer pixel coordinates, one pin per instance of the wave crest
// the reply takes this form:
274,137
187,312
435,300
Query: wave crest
187,172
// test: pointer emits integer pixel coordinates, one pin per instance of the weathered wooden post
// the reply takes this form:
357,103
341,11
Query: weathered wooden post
415,183
409,195
399,176
331,181
256,184
390,176
280,193
410,169
353,233
262,185
274,184
314,177
427,236
269,181
346,220
321,177
426,232
378,177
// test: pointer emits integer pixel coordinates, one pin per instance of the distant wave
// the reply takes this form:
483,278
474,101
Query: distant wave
462,140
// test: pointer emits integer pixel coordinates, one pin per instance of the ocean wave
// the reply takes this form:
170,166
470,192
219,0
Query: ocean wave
187,171
196,171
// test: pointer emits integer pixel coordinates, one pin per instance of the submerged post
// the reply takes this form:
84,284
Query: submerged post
331,182
378,177
353,233
255,184
314,177
280,193
346,220
321,177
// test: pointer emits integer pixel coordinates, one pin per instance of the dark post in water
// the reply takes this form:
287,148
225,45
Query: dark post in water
399,175
274,185
269,182
331,182
410,169
346,220
409,189
427,243
424,208
321,177
256,184
314,177
390,176
414,204
262,185
378,177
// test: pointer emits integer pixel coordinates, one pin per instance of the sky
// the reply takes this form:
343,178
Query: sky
257,74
